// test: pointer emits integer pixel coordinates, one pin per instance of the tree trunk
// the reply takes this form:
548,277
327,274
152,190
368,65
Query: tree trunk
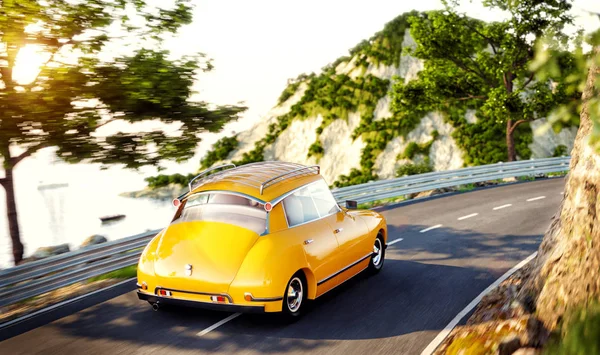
11,213
566,273
510,141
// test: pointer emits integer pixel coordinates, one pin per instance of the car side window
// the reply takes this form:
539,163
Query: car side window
324,200
309,203
299,207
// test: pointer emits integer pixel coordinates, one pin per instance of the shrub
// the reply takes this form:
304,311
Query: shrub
220,151
560,151
413,169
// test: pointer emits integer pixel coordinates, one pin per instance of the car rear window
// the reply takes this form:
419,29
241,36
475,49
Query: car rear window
226,208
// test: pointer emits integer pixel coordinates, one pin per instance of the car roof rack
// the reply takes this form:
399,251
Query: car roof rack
290,174
205,172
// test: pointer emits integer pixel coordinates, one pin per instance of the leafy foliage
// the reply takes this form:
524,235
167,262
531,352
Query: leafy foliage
355,177
413,148
413,169
579,334
485,66
162,180
385,47
220,151
550,62
560,151
293,85
75,93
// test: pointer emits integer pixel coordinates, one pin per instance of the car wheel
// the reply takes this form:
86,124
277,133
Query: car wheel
295,296
378,256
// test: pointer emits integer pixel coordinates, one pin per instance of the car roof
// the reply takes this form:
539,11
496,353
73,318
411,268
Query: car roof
263,181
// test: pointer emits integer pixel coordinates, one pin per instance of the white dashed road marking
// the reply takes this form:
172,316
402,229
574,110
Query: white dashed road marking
395,241
430,228
536,198
503,206
218,324
467,216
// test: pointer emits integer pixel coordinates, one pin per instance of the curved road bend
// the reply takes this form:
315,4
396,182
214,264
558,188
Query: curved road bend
452,248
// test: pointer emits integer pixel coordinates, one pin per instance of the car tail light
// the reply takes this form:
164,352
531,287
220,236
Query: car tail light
144,286
248,297
218,299
164,292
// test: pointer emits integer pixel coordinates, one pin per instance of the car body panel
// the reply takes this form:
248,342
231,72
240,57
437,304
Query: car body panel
214,250
251,270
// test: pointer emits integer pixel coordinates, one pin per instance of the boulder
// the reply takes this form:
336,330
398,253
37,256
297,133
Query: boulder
93,240
44,252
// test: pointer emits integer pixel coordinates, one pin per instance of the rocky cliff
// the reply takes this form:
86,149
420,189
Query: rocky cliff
343,119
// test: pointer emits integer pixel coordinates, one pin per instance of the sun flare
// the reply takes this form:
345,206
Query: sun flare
28,64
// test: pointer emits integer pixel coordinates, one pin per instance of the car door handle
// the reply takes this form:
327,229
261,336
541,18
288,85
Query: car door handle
308,241
336,231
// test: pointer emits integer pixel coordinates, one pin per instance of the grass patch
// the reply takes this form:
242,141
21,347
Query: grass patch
383,202
124,273
467,187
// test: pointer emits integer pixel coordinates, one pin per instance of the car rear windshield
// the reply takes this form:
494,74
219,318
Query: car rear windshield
225,208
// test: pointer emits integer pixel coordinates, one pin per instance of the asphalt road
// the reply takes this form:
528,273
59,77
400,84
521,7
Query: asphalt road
428,278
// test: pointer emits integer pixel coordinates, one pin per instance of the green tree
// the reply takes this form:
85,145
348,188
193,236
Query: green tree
75,92
486,65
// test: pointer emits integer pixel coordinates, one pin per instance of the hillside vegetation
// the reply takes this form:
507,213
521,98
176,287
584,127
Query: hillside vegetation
369,83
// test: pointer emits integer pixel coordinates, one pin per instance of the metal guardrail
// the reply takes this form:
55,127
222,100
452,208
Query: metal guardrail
33,279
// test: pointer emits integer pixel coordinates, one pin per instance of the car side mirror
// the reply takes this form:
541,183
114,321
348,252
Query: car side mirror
351,204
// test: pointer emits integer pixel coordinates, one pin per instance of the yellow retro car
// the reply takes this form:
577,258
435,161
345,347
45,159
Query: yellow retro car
261,237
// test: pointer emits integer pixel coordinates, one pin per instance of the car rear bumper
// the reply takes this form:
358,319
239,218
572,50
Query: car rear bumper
226,307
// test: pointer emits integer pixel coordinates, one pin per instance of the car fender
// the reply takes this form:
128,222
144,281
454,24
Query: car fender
375,222
269,265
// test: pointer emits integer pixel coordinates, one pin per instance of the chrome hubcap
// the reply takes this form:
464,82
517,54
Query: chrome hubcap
377,253
294,294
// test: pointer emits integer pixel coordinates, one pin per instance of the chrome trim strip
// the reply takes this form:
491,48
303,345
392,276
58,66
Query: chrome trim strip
192,292
344,269
263,299
341,283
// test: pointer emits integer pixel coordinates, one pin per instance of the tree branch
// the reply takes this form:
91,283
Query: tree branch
16,160
529,80
107,122
514,126
471,97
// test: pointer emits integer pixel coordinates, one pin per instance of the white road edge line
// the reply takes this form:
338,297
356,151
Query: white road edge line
395,241
430,228
536,198
467,216
444,333
218,324
503,206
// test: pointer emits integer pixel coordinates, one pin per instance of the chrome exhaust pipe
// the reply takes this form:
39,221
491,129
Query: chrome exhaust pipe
155,306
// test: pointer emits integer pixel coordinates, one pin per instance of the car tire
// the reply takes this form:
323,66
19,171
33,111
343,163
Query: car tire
295,297
378,257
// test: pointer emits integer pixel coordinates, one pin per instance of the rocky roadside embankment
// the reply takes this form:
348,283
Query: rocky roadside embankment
502,323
